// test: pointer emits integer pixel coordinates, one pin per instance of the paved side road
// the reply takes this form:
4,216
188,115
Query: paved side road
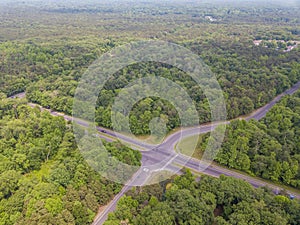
138,179
164,153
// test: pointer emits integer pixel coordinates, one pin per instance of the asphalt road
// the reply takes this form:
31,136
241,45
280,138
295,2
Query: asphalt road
260,113
140,176
163,156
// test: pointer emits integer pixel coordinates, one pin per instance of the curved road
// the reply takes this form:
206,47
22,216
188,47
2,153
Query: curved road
165,155
166,150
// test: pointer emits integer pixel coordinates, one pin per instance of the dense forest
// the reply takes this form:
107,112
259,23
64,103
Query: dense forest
269,148
43,177
50,68
247,83
223,201
24,63
45,48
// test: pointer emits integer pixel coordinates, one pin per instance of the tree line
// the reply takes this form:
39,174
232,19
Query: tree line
187,200
247,83
44,178
269,148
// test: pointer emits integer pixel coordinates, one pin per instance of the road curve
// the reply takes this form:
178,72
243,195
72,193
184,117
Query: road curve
164,152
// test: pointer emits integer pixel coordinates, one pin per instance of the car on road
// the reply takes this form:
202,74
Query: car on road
291,196
146,170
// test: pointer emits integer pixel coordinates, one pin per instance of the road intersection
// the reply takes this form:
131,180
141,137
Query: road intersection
167,158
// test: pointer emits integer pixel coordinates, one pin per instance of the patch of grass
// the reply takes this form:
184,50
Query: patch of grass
150,139
187,146
159,176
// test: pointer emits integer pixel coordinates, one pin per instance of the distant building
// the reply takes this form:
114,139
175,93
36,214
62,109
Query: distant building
210,18
288,48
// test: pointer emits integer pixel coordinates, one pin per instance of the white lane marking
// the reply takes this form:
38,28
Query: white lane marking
163,168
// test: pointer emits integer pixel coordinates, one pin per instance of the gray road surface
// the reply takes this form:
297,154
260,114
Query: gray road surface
165,155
